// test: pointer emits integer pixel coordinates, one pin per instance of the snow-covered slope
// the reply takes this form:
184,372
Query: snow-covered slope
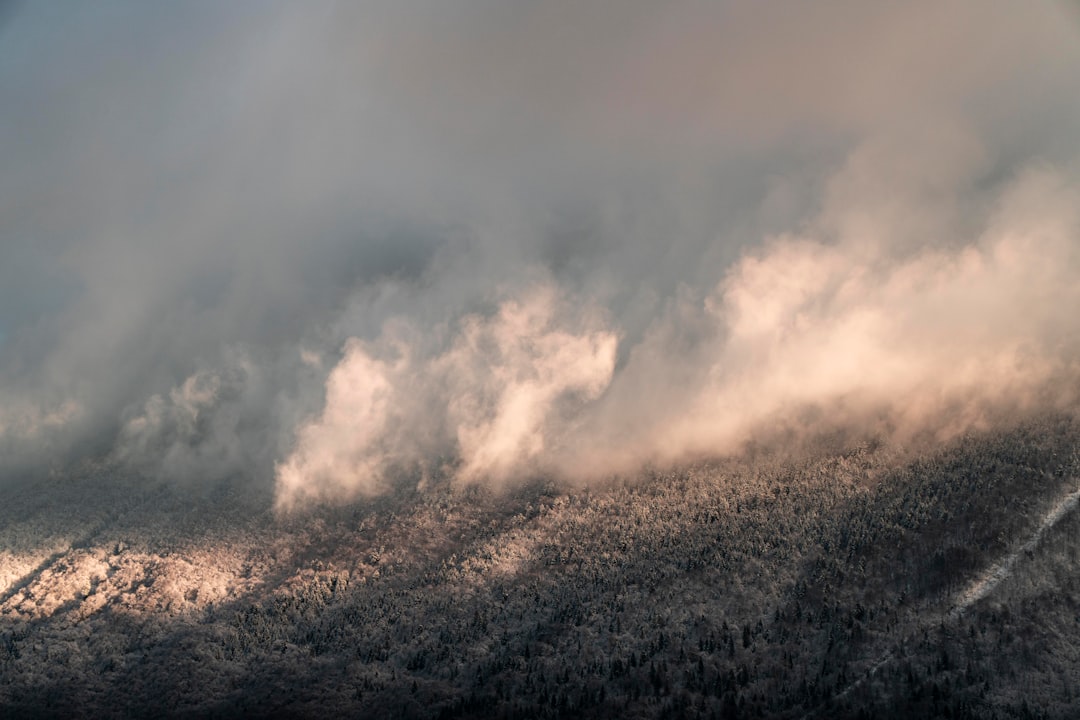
761,586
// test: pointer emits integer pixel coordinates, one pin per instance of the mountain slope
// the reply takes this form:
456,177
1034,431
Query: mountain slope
825,586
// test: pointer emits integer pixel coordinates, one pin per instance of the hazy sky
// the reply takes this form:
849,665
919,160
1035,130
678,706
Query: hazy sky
334,245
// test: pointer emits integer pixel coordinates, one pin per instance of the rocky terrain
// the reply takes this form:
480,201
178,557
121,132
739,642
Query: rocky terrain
869,581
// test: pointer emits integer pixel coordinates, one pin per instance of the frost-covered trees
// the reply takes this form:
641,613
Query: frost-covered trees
772,588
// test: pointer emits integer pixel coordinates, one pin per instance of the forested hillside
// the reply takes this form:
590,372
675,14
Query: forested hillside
832,584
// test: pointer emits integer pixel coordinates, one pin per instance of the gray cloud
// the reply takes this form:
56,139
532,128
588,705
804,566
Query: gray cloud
212,217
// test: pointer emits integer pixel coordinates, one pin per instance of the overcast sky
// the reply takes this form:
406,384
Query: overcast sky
332,245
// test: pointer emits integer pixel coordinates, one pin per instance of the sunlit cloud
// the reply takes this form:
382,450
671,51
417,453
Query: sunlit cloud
344,248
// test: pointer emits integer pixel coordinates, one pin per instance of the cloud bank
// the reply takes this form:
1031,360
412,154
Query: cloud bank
344,247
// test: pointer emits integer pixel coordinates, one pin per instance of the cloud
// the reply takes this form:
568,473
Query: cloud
809,335
848,326
345,245
491,407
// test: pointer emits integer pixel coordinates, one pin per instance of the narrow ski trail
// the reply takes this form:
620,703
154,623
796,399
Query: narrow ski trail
993,576
979,588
